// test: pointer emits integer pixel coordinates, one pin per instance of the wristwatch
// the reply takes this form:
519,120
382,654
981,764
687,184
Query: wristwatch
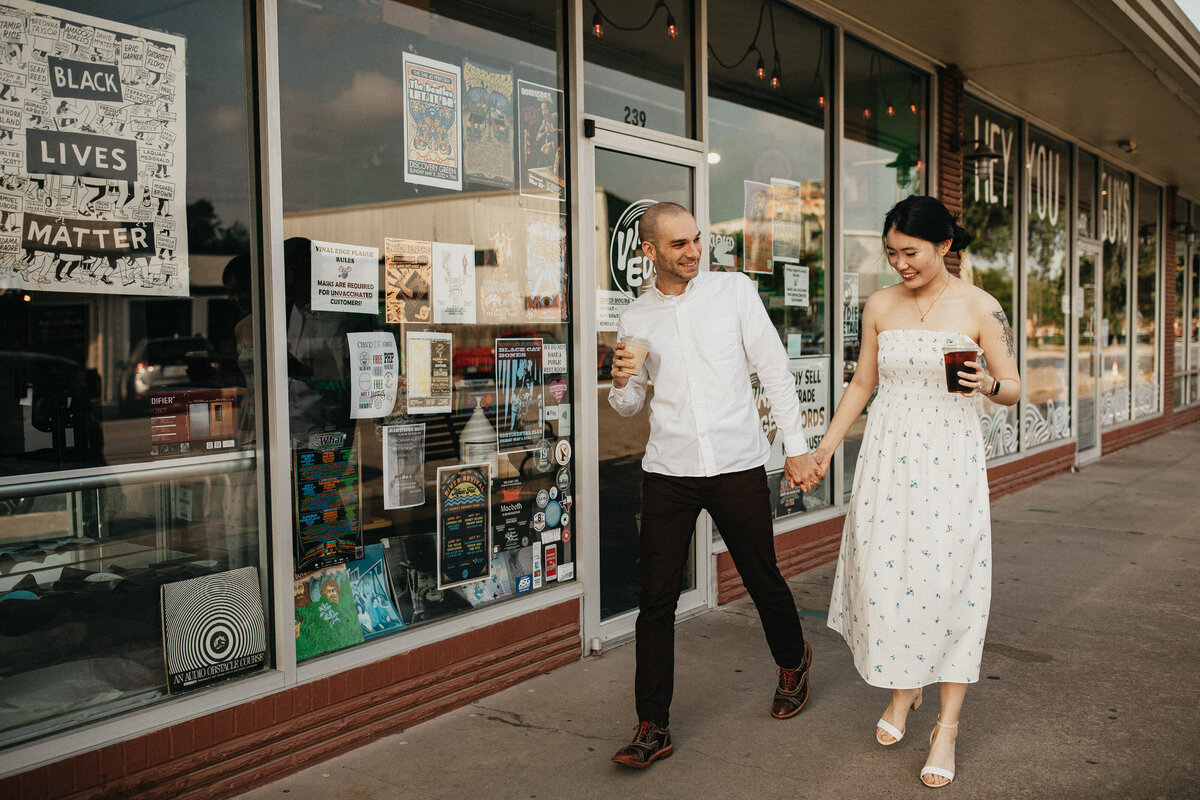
995,388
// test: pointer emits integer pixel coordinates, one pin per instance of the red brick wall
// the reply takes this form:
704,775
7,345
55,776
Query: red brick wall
234,750
949,150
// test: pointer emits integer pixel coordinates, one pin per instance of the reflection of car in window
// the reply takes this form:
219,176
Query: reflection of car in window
49,416
165,363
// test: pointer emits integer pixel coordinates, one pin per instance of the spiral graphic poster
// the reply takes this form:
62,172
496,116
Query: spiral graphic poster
213,628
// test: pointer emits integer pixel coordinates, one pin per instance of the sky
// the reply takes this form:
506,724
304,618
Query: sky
1192,9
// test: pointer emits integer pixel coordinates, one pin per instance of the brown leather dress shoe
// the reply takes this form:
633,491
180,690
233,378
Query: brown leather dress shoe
791,693
649,744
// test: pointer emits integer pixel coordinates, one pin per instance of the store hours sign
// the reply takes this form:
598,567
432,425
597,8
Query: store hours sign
92,146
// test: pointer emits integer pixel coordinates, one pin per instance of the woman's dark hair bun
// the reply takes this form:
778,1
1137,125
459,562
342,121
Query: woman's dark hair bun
962,238
926,218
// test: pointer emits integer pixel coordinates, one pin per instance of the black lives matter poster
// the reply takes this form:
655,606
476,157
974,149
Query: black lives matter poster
92,153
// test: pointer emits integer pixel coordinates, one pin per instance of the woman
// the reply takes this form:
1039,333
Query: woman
913,582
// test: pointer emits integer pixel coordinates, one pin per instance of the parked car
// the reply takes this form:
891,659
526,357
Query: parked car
165,363
49,418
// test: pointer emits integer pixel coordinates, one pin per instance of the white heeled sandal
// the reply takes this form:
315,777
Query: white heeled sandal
890,729
948,774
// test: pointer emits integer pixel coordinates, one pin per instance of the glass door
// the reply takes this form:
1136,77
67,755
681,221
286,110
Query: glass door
630,174
1087,356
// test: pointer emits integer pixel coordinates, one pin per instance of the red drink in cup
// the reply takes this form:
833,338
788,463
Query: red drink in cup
956,356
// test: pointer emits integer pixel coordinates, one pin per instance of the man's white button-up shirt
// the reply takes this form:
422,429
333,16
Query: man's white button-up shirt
703,344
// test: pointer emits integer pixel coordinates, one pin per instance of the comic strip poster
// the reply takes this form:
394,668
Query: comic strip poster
403,465
377,614
540,111
326,614
786,221
327,478
757,228
427,372
520,382
407,280
93,152
345,277
432,144
463,520
488,125
546,267
453,283
374,374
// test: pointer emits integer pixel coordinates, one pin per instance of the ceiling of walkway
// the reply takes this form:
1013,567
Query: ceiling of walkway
1103,73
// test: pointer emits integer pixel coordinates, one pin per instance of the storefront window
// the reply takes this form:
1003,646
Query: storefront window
128,479
638,63
1047,370
1145,376
767,201
883,161
990,212
1180,221
1115,216
1193,359
1085,193
428,312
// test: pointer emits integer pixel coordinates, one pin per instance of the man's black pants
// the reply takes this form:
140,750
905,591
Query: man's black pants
739,503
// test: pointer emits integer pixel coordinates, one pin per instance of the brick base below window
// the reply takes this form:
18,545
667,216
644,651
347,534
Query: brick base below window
232,751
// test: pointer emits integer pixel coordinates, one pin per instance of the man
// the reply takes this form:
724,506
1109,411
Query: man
706,451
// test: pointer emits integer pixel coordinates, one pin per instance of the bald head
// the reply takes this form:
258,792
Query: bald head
650,226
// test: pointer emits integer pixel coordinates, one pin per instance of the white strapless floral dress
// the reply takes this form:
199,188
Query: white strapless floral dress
913,585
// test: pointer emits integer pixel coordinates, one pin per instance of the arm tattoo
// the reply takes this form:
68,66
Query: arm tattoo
1008,334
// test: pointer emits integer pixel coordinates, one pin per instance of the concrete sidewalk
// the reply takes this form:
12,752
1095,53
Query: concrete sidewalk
1089,688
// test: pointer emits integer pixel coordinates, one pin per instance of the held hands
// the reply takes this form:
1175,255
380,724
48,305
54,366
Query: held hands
805,471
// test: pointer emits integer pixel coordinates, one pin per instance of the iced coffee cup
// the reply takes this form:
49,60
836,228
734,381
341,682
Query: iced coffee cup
956,356
636,348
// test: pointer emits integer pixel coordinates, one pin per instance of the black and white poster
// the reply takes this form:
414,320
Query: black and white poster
520,382
93,152
213,628
404,465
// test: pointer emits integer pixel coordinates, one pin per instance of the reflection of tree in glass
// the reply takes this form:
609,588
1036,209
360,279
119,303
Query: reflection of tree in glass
206,234
1046,275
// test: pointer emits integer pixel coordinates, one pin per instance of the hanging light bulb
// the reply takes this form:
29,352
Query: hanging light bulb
891,110
597,28
913,108
866,113
821,101
775,73
671,31
761,69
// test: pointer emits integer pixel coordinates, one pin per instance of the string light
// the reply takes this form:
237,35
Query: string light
600,17
760,67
